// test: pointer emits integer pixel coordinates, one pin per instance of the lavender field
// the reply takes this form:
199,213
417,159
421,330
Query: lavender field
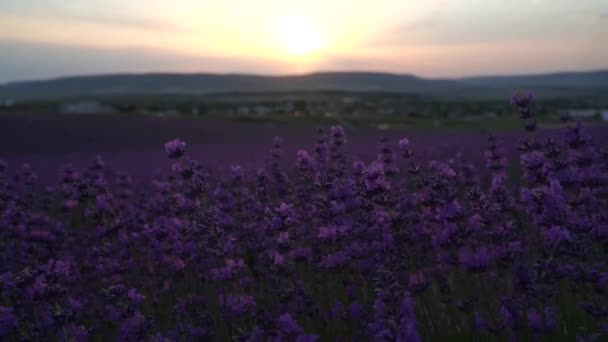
144,229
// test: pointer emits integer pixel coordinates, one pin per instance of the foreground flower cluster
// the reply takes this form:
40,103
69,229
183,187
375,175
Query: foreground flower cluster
397,249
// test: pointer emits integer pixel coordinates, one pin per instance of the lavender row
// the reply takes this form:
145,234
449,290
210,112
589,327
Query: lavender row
327,247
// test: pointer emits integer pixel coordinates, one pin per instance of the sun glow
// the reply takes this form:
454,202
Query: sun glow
299,36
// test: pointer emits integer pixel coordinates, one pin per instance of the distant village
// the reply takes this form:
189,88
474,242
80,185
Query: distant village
316,107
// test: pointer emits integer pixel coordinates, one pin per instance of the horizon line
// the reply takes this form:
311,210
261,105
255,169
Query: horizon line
288,75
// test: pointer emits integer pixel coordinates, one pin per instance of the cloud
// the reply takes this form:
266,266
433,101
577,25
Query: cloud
32,60
404,32
83,14
130,22
420,24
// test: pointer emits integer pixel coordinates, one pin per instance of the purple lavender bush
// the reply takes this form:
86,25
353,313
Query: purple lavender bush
400,248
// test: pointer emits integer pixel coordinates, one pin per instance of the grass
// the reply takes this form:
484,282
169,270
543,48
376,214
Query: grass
498,124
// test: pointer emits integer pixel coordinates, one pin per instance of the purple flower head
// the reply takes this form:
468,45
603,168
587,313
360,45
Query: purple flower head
284,238
479,322
358,167
135,296
237,304
285,210
602,282
277,258
337,208
535,320
523,103
307,338
70,204
237,172
338,136
329,233
178,264
507,317
334,260
442,169
288,327
533,160
556,235
41,236
404,146
474,260
408,330
198,333
380,308
229,271
300,254
304,160
338,310
103,202
355,311
75,304
475,222
550,319
37,289
277,141
451,210
133,328
602,230
417,282
556,188
407,307
356,249
8,321
375,179
175,148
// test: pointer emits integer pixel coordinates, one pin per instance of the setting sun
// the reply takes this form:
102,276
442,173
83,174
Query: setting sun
299,36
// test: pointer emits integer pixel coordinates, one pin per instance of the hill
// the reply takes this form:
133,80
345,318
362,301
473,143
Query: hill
559,84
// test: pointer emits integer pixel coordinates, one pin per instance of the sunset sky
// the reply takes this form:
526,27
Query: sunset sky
431,38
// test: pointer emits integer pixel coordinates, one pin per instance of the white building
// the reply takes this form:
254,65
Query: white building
7,103
242,110
86,107
261,110
583,113
164,113
349,100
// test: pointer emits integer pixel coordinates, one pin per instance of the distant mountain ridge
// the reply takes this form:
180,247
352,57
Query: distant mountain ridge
588,79
567,83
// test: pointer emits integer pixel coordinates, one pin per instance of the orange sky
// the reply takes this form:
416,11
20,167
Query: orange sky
434,38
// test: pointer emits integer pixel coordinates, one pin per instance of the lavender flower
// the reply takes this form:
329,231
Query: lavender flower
237,304
135,297
309,249
305,161
288,327
375,179
404,146
523,104
8,321
535,320
175,148
408,325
